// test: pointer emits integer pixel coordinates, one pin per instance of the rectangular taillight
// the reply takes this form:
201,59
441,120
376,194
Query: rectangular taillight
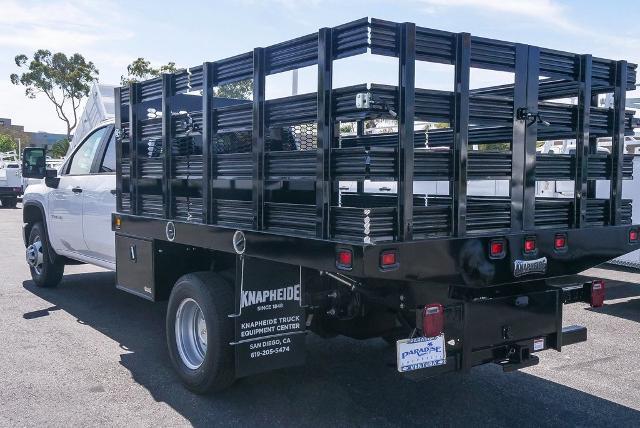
432,320
597,293
344,259
497,248
560,242
389,260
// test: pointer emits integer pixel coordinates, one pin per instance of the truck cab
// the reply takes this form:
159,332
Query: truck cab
67,213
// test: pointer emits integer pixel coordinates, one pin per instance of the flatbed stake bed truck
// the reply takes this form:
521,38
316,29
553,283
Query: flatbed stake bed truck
235,210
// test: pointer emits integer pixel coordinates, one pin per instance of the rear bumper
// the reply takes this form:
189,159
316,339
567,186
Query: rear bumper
508,330
10,191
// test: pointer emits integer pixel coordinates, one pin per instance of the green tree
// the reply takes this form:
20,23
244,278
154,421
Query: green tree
59,148
65,81
242,90
7,143
346,128
141,69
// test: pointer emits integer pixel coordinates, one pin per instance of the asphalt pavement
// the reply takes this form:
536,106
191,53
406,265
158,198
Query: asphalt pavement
86,354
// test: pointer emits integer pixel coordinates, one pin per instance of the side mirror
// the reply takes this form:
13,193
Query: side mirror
34,163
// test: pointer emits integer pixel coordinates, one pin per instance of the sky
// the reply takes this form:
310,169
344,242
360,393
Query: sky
113,33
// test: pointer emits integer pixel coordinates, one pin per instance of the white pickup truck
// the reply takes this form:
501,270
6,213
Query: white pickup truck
67,215
10,180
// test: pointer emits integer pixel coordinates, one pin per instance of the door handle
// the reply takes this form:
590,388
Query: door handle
113,192
77,190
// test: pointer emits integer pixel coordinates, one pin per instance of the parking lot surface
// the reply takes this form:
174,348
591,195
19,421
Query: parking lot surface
87,354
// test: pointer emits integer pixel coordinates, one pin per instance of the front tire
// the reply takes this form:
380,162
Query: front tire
44,272
199,331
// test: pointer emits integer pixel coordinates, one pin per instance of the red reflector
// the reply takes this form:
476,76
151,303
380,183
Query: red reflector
497,248
529,245
597,293
560,242
432,320
633,235
344,259
388,259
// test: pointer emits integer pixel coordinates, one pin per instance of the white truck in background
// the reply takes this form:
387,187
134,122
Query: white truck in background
10,179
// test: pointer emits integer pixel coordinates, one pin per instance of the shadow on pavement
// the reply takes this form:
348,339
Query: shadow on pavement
629,309
345,382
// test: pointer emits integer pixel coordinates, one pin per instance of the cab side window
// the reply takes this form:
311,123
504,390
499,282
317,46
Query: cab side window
83,158
109,159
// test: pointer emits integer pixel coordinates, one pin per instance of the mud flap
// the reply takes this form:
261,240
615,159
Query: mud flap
269,316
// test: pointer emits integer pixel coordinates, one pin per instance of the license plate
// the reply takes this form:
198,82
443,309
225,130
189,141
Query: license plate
420,353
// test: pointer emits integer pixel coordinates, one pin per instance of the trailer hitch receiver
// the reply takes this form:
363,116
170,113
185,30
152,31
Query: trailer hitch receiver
518,357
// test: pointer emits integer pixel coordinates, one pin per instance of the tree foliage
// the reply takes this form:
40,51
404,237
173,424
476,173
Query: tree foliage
7,143
64,80
141,69
242,90
59,148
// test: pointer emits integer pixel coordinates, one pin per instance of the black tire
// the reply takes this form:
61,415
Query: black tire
50,273
9,202
214,296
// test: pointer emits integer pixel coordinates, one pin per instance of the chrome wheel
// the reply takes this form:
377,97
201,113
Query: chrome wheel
34,255
191,333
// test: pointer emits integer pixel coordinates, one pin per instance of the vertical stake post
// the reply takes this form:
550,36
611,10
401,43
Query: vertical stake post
518,137
406,117
617,143
531,138
325,132
118,129
167,137
134,126
581,192
461,134
360,133
208,80
258,137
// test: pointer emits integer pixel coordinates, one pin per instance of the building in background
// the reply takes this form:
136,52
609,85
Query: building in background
39,139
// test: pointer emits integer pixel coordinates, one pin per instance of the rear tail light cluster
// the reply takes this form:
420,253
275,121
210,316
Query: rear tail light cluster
389,260
597,293
530,245
344,259
497,248
634,235
432,320
560,242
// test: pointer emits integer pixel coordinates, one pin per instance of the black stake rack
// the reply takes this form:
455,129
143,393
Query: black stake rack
276,165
